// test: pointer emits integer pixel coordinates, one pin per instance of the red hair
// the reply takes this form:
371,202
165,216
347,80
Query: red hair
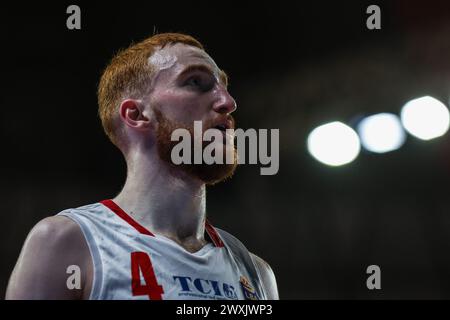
130,73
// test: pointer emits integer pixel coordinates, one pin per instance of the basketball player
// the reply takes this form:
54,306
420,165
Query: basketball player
152,241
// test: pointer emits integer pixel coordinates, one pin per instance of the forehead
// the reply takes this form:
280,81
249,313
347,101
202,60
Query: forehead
174,59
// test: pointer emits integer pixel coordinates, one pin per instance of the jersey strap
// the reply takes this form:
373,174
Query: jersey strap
241,253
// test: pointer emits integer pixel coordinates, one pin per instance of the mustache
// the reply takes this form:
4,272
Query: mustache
228,121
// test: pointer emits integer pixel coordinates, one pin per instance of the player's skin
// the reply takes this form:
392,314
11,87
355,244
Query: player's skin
167,202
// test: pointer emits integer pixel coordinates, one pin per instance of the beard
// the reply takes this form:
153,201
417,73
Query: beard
210,174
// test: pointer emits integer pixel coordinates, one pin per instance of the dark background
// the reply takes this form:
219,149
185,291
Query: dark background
293,66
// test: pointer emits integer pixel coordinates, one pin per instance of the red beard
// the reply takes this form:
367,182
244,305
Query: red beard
208,173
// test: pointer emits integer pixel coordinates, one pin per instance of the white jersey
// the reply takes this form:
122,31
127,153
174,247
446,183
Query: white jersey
130,262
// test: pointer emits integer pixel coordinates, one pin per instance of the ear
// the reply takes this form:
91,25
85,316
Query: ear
132,114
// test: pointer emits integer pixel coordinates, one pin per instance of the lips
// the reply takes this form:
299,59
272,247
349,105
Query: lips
224,125
221,127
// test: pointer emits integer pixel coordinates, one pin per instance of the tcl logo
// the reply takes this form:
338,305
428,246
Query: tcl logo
204,286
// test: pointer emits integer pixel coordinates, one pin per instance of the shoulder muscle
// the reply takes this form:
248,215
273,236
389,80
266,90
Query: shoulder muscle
54,244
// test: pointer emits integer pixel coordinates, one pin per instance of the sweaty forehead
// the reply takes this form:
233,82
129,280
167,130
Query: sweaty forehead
174,58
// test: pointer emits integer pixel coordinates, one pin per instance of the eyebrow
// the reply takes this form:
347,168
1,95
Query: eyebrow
203,68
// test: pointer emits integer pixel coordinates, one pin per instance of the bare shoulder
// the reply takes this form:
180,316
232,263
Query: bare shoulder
54,244
268,277
54,229
54,235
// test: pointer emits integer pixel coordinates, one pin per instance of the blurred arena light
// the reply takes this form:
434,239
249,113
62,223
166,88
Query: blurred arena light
425,118
381,133
333,144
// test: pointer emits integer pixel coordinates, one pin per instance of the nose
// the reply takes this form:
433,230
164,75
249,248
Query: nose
225,102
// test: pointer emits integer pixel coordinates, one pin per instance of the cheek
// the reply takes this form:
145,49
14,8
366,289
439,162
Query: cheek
182,107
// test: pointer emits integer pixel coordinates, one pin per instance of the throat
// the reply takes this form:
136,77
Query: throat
191,245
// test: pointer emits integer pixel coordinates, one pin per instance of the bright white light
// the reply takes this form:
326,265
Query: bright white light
334,144
425,118
381,133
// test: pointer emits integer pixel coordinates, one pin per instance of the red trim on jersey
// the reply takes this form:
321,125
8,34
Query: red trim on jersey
118,210
213,234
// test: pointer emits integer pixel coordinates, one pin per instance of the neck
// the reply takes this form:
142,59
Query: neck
165,201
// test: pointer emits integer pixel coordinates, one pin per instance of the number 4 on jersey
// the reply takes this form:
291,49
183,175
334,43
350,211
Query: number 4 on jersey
140,263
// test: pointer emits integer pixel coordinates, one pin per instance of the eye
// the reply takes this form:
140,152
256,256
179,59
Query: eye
200,83
194,81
